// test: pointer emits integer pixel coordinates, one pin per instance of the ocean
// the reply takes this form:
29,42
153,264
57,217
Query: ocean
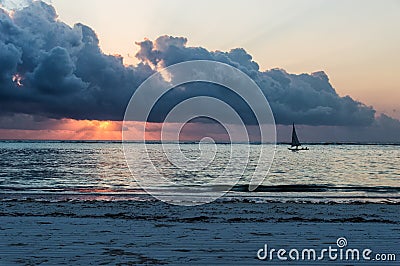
98,171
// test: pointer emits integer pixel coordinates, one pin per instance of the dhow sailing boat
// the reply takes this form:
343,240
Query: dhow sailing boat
296,145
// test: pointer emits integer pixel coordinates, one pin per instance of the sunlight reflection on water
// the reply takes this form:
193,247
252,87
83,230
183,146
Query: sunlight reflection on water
101,168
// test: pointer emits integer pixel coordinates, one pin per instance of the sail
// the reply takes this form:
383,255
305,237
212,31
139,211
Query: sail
295,139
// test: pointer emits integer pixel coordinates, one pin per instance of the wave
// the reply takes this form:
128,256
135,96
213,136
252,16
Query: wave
296,193
317,188
215,188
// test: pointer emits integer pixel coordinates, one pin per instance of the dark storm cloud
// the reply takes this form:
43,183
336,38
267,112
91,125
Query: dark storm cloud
65,74
63,71
306,99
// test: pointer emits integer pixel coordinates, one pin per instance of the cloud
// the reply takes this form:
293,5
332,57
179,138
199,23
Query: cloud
306,98
56,68
63,72
49,69
15,4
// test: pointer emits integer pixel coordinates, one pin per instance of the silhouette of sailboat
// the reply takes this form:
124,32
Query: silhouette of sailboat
296,145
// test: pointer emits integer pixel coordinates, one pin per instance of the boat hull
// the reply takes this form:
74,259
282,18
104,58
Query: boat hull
297,149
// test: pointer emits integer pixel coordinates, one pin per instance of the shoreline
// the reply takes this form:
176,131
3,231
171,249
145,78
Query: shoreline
230,197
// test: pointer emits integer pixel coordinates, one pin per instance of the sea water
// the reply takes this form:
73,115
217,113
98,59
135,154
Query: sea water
98,171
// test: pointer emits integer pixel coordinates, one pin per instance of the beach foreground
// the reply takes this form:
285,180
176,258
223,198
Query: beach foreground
152,232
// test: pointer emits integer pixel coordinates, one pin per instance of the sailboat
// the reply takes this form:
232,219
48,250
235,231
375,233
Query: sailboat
296,145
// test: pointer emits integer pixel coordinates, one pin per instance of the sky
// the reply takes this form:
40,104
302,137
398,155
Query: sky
354,41
348,51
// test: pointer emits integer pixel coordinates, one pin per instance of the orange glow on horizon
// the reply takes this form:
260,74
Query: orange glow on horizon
70,129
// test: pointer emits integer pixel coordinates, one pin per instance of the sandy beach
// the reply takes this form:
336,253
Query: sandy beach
152,232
